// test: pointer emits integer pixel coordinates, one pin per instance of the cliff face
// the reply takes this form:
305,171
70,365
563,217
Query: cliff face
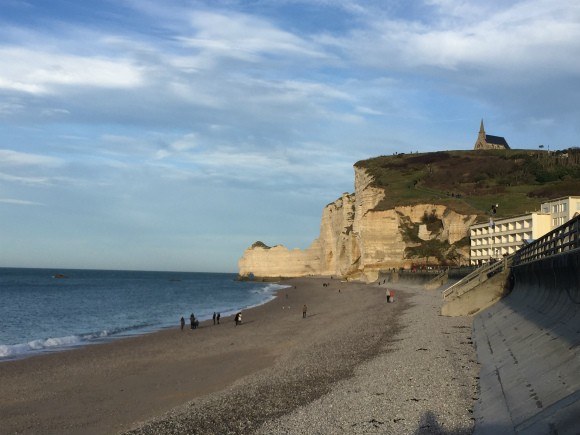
358,241
268,262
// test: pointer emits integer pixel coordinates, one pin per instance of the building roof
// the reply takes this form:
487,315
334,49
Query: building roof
503,220
498,140
561,198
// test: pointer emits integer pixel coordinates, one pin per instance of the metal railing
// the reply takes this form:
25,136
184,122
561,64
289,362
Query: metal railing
562,239
439,280
565,238
476,277
442,275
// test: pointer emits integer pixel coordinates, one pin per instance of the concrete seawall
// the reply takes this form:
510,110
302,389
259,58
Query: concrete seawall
528,347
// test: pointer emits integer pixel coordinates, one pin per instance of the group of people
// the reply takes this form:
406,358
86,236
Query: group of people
216,320
194,323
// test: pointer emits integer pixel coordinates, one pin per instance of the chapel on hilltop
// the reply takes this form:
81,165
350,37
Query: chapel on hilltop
489,142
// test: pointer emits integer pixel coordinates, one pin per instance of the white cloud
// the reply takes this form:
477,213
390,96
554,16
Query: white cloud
38,72
162,154
303,166
20,86
11,108
245,37
18,202
53,113
299,93
185,143
32,181
514,38
15,158
193,92
368,111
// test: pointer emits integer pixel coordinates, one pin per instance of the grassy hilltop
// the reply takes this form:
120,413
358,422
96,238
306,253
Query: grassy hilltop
469,182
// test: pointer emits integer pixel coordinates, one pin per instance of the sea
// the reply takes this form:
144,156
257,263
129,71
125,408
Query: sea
44,310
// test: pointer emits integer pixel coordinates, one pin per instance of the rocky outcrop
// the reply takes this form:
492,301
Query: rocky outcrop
358,239
263,261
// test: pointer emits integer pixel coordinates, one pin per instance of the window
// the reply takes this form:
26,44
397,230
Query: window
564,207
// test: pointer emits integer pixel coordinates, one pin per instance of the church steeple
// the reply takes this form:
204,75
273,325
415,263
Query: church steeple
488,142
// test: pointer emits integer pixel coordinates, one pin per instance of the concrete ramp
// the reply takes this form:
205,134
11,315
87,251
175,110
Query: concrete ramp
528,347
477,298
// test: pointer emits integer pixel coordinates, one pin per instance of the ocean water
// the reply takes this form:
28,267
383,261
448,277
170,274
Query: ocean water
41,312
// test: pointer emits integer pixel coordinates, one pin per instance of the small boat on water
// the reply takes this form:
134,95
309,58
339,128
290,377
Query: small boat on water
59,275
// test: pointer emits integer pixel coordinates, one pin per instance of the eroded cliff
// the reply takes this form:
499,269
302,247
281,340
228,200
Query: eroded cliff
358,240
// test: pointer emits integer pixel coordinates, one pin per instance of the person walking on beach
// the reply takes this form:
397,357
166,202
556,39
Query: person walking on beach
192,320
214,317
182,321
304,308
238,319
218,318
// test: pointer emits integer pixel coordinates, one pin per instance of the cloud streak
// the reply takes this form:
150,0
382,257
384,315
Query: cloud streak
15,158
19,202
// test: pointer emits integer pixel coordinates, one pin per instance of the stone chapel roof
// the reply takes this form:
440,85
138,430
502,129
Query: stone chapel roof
497,140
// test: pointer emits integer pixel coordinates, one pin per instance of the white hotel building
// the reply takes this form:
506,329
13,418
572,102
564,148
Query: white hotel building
501,237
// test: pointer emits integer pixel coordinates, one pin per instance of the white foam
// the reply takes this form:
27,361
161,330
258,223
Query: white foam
14,350
269,288
53,343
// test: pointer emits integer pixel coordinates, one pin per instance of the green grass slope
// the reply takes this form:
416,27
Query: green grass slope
469,182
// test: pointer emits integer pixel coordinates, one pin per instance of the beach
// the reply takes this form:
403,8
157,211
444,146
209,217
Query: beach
355,364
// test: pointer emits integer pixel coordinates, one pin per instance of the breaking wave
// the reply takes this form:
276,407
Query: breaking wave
58,343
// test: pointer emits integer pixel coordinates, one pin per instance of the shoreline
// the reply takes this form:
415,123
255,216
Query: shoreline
80,341
208,380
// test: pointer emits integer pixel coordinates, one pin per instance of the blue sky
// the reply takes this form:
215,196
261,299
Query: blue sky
171,135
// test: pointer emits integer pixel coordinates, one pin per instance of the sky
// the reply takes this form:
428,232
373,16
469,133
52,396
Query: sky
172,134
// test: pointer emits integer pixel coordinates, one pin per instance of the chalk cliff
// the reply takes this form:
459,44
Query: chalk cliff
357,239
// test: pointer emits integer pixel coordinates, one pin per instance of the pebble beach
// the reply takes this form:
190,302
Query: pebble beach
356,364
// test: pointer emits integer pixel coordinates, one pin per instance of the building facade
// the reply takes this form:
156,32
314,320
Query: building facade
561,209
505,236
498,238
